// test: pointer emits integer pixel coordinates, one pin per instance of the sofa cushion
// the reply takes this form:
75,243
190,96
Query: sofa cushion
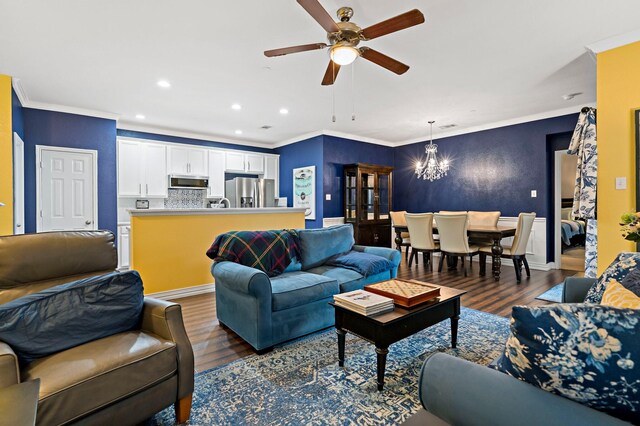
71,314
345,277
366,264
318,245
83,379
299,288
584,352
623,264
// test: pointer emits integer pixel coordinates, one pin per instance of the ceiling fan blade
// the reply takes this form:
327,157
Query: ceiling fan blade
294,49
383,60
315,9
331,73
400,22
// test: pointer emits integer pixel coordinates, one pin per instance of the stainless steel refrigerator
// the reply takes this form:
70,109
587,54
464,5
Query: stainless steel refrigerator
250,192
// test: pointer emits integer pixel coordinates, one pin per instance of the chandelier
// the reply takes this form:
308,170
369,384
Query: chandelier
431,169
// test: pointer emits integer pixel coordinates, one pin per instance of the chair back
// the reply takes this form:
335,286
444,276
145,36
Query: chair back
451,212
483,218
397,218
523,230
452,229
421,230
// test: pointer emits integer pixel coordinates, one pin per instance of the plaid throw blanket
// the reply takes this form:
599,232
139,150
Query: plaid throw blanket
269,251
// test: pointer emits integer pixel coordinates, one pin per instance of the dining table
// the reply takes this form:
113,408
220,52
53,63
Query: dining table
493,233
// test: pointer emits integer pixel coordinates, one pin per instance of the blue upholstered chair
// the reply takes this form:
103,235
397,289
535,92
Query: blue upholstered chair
266,311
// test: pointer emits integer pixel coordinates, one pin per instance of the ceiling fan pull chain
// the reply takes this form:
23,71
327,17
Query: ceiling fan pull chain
333,92
353,92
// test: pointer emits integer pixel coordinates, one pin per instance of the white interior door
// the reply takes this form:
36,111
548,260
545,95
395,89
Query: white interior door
18,184
67,190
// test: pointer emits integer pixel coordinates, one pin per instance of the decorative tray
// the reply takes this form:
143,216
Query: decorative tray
405,293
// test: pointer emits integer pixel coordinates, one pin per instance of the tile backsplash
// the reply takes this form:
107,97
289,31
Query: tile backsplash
186,199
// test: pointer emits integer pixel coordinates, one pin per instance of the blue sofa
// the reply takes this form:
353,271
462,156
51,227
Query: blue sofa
266,311
463,393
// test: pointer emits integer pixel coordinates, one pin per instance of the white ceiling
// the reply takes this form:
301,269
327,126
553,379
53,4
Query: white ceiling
472,63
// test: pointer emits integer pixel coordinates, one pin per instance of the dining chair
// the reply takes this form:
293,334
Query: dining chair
398,218
518,250
453,238
421,229
477,218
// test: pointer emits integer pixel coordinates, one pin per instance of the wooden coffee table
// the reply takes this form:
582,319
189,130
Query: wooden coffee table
385,329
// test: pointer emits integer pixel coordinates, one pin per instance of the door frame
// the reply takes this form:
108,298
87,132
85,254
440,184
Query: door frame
18,197
94,155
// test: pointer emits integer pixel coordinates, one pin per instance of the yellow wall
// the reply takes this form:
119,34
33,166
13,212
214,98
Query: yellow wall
618,95
6,157
169,251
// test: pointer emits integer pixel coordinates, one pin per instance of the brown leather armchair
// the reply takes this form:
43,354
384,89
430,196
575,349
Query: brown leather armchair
121,379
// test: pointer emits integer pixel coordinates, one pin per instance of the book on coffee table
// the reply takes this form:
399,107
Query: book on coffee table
364,302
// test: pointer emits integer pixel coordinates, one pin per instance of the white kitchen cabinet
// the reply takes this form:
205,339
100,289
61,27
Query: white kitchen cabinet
142,169
216,174
123,247
187,161
254,163
234,162
272,170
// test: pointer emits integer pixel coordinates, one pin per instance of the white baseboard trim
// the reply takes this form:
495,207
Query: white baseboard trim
183,292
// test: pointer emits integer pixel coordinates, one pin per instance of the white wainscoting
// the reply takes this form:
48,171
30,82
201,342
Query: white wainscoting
332,221
537,245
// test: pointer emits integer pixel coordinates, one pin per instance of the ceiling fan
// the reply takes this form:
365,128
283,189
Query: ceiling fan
344,36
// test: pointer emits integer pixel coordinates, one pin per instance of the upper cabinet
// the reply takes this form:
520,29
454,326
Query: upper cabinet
216,174
187,161
272,170
238,162
142,169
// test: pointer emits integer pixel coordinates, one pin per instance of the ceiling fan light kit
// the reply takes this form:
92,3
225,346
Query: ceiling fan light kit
344,37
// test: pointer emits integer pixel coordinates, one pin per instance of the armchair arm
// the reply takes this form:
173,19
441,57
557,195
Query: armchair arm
576,289
9,367
463,393
165,320
392,254
242,278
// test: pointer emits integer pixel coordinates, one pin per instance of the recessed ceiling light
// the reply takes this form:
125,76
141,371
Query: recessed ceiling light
238,132
164,83
284,111
237,107
140,117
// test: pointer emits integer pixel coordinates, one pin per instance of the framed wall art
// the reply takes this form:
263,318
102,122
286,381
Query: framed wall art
304,190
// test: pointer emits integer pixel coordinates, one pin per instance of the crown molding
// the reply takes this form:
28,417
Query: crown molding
28,103
504,123
125,125
613,42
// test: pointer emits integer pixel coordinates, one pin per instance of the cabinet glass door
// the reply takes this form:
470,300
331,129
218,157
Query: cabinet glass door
350,195
368,196
384,198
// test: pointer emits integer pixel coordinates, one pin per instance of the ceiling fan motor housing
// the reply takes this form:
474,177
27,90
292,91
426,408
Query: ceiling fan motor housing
349,33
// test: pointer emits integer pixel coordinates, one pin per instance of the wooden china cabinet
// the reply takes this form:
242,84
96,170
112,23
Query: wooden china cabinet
367,202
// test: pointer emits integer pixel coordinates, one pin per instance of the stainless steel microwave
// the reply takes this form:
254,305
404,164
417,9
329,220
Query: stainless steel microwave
188,182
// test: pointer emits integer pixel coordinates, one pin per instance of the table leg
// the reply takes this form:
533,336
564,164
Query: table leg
454,330
382,362
496,250
341,334
398,240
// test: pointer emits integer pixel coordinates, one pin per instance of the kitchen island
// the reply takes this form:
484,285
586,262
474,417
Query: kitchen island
168,246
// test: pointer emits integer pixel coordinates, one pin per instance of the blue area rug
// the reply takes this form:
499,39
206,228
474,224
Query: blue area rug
301,383
554,294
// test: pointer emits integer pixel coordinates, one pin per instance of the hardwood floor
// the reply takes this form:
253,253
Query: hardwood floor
214,345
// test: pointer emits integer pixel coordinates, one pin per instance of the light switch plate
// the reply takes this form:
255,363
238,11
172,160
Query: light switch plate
621,183
327,197
534,193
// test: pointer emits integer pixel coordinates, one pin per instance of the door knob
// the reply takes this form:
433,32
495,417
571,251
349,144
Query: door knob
87,222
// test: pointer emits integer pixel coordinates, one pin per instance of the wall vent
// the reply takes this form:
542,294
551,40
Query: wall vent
266,127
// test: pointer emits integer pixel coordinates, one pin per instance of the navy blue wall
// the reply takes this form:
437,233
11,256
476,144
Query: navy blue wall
17,115
300,154
176,139
72,131
337,153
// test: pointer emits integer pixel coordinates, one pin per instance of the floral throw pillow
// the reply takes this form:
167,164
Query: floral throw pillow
618,270
587,353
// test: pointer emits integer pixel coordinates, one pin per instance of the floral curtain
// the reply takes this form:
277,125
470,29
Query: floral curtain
583,144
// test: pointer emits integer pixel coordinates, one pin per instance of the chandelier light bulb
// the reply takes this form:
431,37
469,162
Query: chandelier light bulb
344,54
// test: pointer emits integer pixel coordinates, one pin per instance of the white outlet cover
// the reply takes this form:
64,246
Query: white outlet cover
621,183
327,197
534,193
